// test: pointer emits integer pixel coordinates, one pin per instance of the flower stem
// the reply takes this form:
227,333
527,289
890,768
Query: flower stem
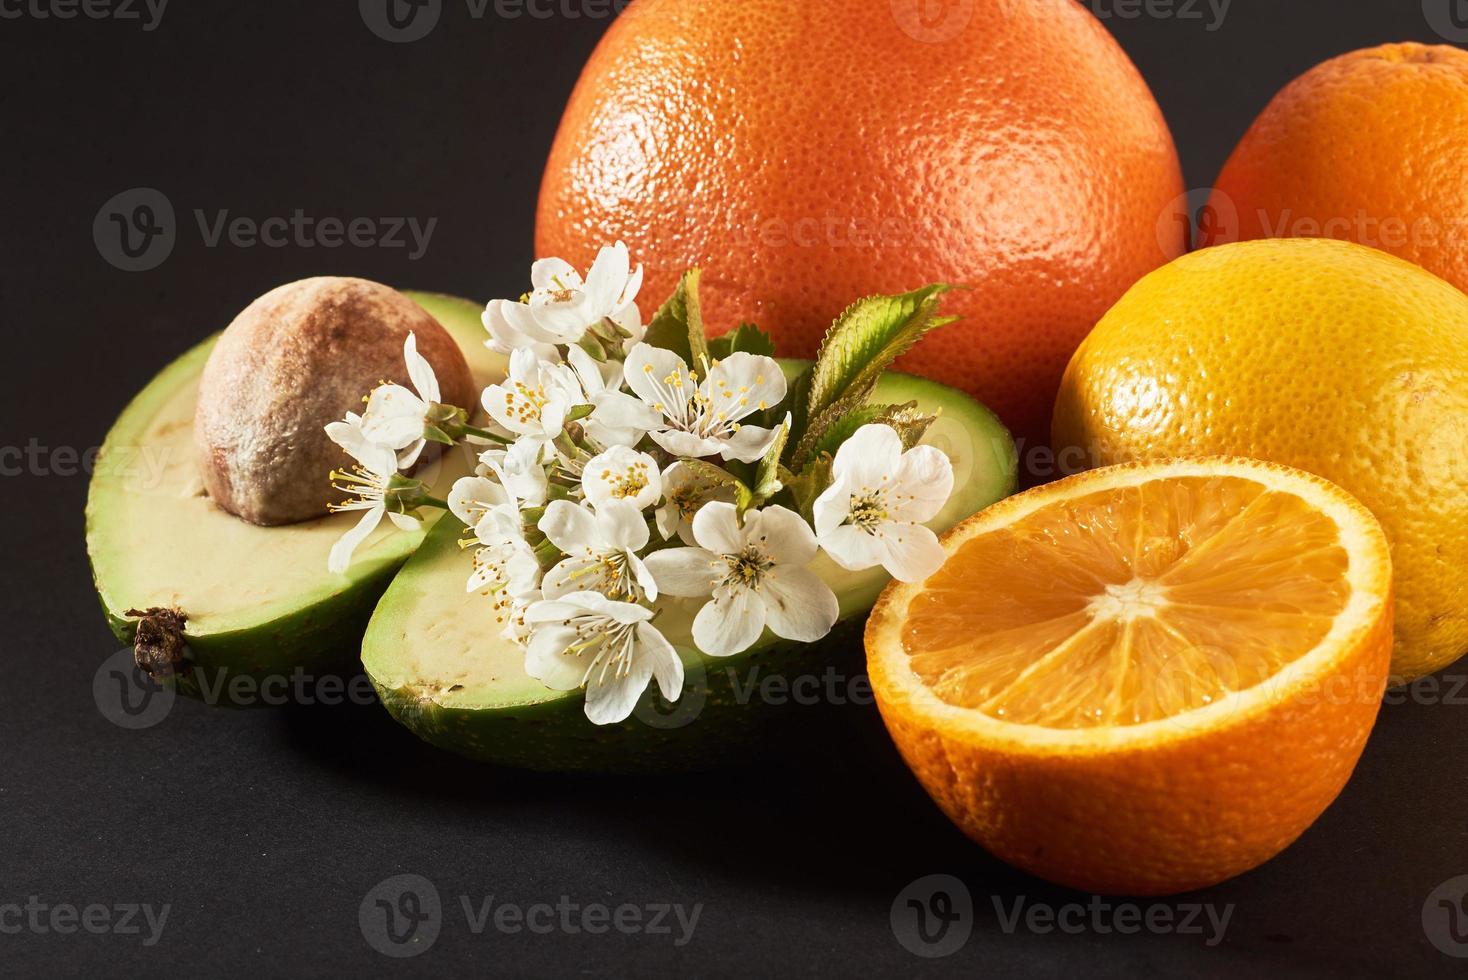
486,434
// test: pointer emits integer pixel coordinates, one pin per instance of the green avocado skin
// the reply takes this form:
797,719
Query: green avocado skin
321,639
728,725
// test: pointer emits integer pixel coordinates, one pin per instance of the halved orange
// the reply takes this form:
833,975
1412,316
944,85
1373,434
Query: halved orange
1143,679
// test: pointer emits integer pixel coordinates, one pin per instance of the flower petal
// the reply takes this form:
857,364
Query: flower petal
782,534
730,623
660,378
612,700
666,665
420,372
743,383
747,445
607,279
620,526
553,273
832,507
716,527
798,604
570,527
340,558
924,481
869,457
913,551
689,572
853,548
547,659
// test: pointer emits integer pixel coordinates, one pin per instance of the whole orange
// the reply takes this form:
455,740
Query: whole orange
807,154
1370,147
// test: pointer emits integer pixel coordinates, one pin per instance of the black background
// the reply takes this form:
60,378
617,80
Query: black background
264,829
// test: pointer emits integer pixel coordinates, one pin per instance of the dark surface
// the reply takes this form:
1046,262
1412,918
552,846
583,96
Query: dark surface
264,830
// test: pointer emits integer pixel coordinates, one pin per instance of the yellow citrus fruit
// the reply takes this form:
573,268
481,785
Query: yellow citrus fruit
1144,679
1327,356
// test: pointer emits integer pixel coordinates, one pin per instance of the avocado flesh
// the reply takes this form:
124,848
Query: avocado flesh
439,666
257,599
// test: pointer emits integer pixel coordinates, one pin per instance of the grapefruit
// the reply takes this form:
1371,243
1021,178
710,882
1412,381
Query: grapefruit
808,154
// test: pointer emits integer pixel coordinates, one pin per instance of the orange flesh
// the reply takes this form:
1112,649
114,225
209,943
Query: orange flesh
1129,605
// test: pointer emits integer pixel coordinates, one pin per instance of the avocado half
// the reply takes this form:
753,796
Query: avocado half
254,600
439,667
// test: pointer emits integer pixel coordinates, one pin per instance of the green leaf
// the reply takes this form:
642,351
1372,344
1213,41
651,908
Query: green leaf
865,340
747,338
818,426
809,484
678,324
767,481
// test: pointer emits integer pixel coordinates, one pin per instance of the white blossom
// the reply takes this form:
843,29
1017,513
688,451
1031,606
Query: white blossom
873,512
601,549
369,482
395,416
562,306
621,473
584,639
755,574
703,418
684,492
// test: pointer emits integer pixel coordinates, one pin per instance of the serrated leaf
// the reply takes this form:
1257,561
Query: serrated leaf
810,483
678,324
866,339
822,423
747,338
845,427
767,478
910,423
